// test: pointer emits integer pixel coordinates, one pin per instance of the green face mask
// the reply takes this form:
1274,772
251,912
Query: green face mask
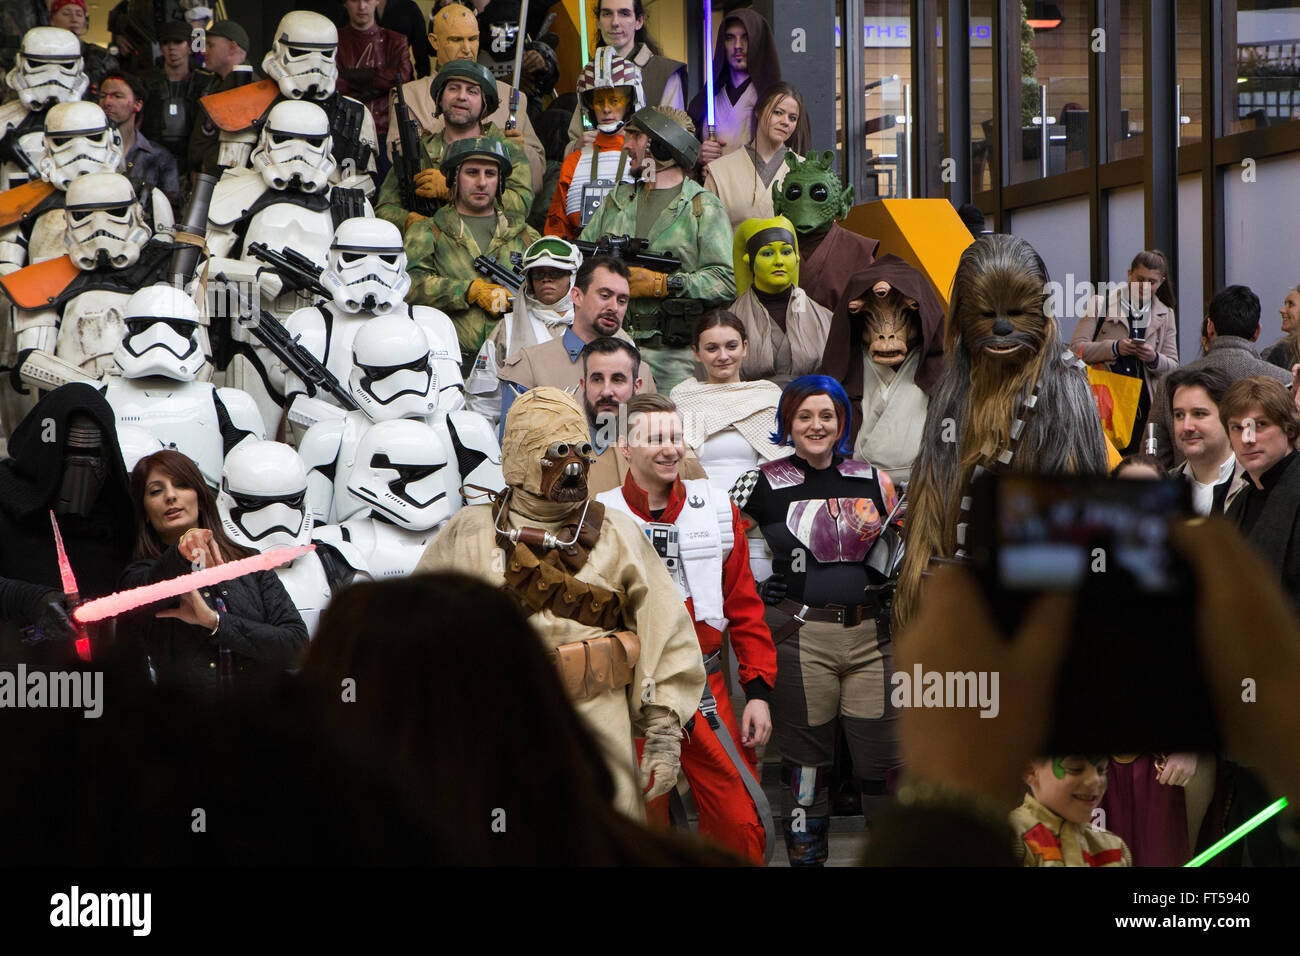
811,195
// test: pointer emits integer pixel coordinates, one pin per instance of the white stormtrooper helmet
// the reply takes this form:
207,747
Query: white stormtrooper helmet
294,148
366,268
392,376
303,58
402,474
105,222
78,140
49,67
263,497
162,335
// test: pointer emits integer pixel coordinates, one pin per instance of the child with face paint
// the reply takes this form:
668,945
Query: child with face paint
1054,823
786,329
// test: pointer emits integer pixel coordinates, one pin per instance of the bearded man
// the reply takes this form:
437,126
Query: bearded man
593,588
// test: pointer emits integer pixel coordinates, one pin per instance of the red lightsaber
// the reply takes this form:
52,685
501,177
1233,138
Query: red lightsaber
71,593
122,601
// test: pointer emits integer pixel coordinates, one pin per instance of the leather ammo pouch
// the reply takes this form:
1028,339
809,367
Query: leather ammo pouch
602,664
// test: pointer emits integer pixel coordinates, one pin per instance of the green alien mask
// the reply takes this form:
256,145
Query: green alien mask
811,195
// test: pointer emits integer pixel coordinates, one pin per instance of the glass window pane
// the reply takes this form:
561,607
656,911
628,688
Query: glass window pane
983,89
1053,100
1126,130
1188,62
889,97
1266,67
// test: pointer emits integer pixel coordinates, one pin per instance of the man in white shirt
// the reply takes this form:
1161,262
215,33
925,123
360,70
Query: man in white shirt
1199,434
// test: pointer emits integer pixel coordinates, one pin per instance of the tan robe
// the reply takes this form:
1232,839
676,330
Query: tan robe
735,181
419,101
670,671
781,356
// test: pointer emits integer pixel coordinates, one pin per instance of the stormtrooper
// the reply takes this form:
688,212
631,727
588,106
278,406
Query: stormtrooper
49,70
365,275
262,505
301,66
78,141
156,393
390,475
286,202
72,306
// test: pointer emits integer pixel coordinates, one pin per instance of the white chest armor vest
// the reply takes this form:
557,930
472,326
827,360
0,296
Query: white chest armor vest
704,539
89,329
389,551
308,588
181,415
31,145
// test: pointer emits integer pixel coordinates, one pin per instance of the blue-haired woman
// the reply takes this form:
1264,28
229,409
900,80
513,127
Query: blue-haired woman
820,512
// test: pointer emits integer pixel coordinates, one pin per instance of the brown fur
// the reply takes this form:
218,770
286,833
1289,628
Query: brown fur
999,278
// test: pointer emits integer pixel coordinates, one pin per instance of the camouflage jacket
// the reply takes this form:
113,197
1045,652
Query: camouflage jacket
518,196
694,227
440,254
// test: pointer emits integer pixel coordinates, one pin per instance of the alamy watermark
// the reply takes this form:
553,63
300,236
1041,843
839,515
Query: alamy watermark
922,688
74,690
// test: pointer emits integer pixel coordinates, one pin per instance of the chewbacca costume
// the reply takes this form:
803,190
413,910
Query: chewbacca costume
983,393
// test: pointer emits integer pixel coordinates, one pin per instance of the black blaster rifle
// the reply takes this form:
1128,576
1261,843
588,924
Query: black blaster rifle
406,158
512,279
297,359
632,251
297,271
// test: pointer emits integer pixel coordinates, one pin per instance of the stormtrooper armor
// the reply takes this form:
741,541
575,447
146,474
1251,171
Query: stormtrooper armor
302,60
49,70
302,66
285,205
402,481
367,267
74,310
293,149
439,454
78,140
105,222
160,357
261,504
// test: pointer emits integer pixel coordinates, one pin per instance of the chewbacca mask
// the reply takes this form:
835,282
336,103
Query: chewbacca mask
1002,344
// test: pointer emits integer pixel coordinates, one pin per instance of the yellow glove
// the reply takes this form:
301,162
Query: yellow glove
488,296
646,283
411,220
431,184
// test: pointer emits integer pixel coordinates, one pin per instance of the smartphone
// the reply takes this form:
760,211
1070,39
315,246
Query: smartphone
1131,680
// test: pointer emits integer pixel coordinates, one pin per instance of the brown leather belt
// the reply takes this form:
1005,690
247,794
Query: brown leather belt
602,664
801,614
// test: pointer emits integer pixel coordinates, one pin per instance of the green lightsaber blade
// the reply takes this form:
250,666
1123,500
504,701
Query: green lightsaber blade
1238,833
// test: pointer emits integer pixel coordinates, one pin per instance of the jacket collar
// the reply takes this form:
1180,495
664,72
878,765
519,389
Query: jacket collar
640,504
1233,342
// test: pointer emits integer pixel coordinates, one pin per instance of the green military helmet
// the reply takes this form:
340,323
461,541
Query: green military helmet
476,147
671,132
466,70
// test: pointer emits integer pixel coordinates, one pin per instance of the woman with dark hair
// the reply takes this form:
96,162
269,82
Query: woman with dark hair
744,179
820,512
622,25
1133,331
727,420
506,779
247,625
